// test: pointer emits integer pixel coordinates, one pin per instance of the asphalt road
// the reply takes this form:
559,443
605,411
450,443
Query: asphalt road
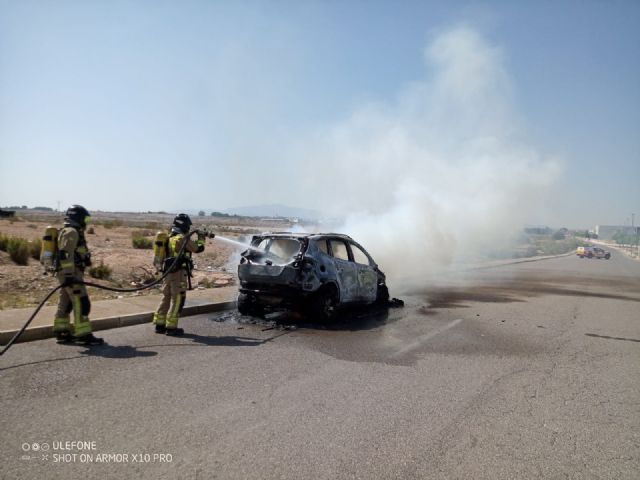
527,371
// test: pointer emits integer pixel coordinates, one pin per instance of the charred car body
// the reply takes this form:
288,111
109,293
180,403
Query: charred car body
313,273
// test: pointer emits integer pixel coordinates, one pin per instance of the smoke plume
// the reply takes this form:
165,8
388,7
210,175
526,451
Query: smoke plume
439,175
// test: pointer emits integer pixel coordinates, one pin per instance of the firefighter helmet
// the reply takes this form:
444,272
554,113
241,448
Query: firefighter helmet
182,222
77,214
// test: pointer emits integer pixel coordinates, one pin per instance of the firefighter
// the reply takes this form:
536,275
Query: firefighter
174,289
73,257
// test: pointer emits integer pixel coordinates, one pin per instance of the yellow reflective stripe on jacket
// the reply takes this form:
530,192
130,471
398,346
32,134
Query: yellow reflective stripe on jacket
175,243
67,242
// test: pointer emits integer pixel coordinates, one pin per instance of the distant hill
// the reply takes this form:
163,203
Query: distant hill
274,210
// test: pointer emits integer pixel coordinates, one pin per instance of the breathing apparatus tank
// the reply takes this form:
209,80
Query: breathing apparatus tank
49,249
160,248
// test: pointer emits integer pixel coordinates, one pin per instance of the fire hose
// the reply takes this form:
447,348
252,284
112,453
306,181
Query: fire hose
105,287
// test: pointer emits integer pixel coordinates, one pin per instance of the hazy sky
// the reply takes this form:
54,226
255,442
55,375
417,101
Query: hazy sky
135,105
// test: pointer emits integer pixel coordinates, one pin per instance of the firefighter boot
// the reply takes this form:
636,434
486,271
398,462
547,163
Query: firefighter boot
159,320
62,329
64,337
174,332
89,339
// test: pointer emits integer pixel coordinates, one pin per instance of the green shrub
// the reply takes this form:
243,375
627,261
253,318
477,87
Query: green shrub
34,249
142,243
3,242
143,233
101,271
91,231
18,249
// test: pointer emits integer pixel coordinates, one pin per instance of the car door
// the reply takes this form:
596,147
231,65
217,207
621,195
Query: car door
346,270
367,276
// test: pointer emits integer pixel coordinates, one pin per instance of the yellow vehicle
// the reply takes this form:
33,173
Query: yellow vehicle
593,252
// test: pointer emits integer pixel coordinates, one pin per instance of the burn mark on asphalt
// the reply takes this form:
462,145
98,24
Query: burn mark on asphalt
612,338
517,290
456,298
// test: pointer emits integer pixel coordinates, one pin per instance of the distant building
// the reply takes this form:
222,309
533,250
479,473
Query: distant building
7,213
606,232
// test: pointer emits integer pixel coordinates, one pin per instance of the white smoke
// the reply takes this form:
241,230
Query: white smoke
439,174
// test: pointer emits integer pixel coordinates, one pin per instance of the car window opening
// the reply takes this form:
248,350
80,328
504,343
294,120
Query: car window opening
274,251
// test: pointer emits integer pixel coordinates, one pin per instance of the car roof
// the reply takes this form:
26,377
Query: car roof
313,236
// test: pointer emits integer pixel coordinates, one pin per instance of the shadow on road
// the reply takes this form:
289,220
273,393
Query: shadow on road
207,341
116,351
128,351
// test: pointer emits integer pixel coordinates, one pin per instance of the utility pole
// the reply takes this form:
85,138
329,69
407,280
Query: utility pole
633,228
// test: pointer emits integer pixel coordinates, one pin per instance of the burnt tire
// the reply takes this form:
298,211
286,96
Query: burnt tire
324,304
607,256
382,295
247,306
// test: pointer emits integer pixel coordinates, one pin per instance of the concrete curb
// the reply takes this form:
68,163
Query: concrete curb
40,333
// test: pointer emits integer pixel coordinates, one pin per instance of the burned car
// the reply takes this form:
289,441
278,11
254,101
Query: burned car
315,274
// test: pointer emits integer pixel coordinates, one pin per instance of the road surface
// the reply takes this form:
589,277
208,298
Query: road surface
526,371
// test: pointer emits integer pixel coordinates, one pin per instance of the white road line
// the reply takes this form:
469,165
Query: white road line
423,338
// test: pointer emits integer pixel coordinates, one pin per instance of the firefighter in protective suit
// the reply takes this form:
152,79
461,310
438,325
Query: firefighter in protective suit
174,289
73,257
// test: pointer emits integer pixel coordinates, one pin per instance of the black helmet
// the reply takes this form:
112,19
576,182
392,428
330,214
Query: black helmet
77,215
182,222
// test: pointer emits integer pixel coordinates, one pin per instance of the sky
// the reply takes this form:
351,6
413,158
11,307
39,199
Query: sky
355,108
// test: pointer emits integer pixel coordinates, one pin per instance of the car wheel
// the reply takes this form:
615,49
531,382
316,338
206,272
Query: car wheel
324,304
246,306
382,296
607,257
589,256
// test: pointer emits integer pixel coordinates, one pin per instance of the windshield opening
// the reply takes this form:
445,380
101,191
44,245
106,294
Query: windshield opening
274,251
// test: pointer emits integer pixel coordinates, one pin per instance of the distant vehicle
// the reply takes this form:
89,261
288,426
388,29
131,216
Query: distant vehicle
600,253
593,252
316,274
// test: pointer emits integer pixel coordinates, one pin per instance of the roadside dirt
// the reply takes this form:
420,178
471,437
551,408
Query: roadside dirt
111,243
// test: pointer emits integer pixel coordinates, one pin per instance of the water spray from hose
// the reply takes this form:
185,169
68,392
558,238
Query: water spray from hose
237,244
